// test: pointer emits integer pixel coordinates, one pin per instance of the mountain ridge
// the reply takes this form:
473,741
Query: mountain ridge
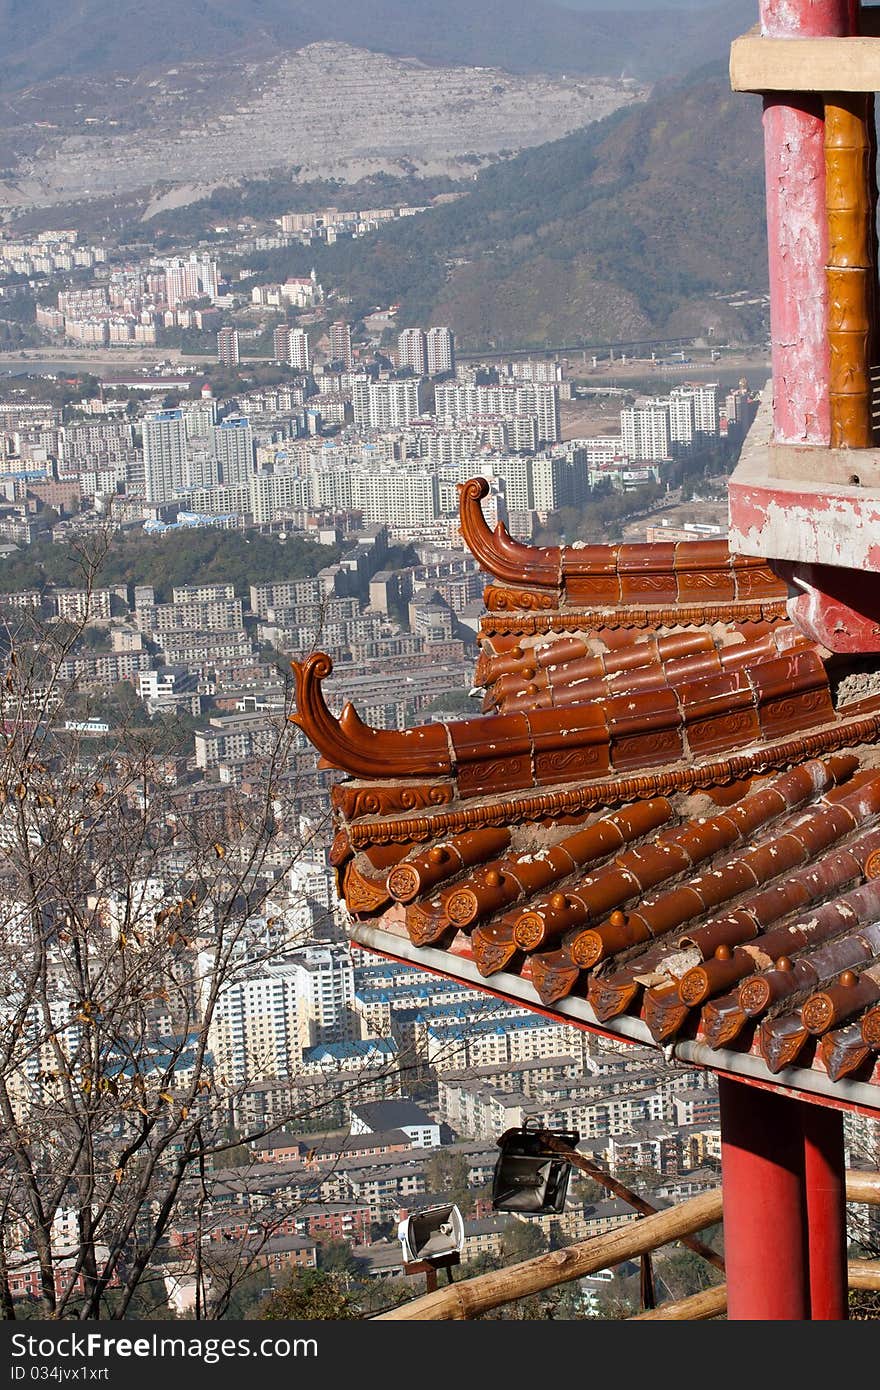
42,41
635,227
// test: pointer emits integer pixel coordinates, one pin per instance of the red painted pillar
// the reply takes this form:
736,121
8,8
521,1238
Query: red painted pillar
794,151
765,1236
825,1184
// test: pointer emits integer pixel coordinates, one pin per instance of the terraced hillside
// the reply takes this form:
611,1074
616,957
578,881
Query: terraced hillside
328,111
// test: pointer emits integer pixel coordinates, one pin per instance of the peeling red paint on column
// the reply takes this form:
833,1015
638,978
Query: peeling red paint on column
798,232
798,239
810,525
839,626
807,18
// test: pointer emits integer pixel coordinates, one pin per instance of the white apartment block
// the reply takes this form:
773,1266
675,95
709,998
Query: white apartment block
386,405
645,431
412,351
104,669
458,402
291,345
232,738
281,491
476,1043
258,1030
325,992
233,443
518,483
193,615
705,404
194,648
440,345
164,454
82,605
200,417
600,448
220,501
203,593
403,501
682,419
284,594
333,489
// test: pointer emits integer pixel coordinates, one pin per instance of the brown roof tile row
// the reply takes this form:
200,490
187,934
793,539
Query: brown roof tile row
681,572
768,696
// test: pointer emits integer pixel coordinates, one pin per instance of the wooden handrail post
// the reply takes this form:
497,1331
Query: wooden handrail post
471,1297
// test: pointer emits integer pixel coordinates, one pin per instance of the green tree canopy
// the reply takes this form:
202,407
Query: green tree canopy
310,1294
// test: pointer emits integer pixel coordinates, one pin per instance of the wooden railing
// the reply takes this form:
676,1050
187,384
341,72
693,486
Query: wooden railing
469,1298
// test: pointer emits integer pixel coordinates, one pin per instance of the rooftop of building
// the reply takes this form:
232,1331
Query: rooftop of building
391,1114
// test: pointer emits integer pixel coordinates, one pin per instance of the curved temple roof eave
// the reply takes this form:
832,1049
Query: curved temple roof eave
497,553
352,746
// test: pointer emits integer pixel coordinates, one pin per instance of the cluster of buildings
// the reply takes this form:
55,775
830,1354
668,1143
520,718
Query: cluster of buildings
131,305
330,224
49,253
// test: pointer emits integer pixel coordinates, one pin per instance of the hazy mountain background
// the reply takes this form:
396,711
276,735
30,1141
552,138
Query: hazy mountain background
642,225
640,4
43,39
647,223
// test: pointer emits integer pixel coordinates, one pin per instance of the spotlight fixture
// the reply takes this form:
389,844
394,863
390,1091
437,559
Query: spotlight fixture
433,1236
533,1169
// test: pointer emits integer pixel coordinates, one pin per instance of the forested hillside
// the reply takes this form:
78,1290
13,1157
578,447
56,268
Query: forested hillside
179,557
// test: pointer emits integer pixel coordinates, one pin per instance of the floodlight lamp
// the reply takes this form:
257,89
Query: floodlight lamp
434,1235
533,1171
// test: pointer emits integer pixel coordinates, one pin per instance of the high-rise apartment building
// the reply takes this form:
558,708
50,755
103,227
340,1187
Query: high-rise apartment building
456,402
164,454
227,347
277,1008
200,416
340,343
682,419
325,992
559,481
412,351
645,431
440,350
234,450
279,491
257,1030
386,405
195,277
705,405
402,499
291,345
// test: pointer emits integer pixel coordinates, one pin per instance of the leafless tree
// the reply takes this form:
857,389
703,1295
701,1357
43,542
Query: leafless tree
129,904
124,914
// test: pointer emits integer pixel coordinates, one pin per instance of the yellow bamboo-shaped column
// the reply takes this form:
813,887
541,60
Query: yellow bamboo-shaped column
873,193
850,269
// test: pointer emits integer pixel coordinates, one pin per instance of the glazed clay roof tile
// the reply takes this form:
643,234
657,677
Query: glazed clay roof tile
666,822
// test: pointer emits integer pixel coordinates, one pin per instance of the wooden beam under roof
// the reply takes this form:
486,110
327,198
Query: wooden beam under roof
759,64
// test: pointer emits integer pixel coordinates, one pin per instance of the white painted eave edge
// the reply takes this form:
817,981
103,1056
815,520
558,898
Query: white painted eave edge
743,1065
